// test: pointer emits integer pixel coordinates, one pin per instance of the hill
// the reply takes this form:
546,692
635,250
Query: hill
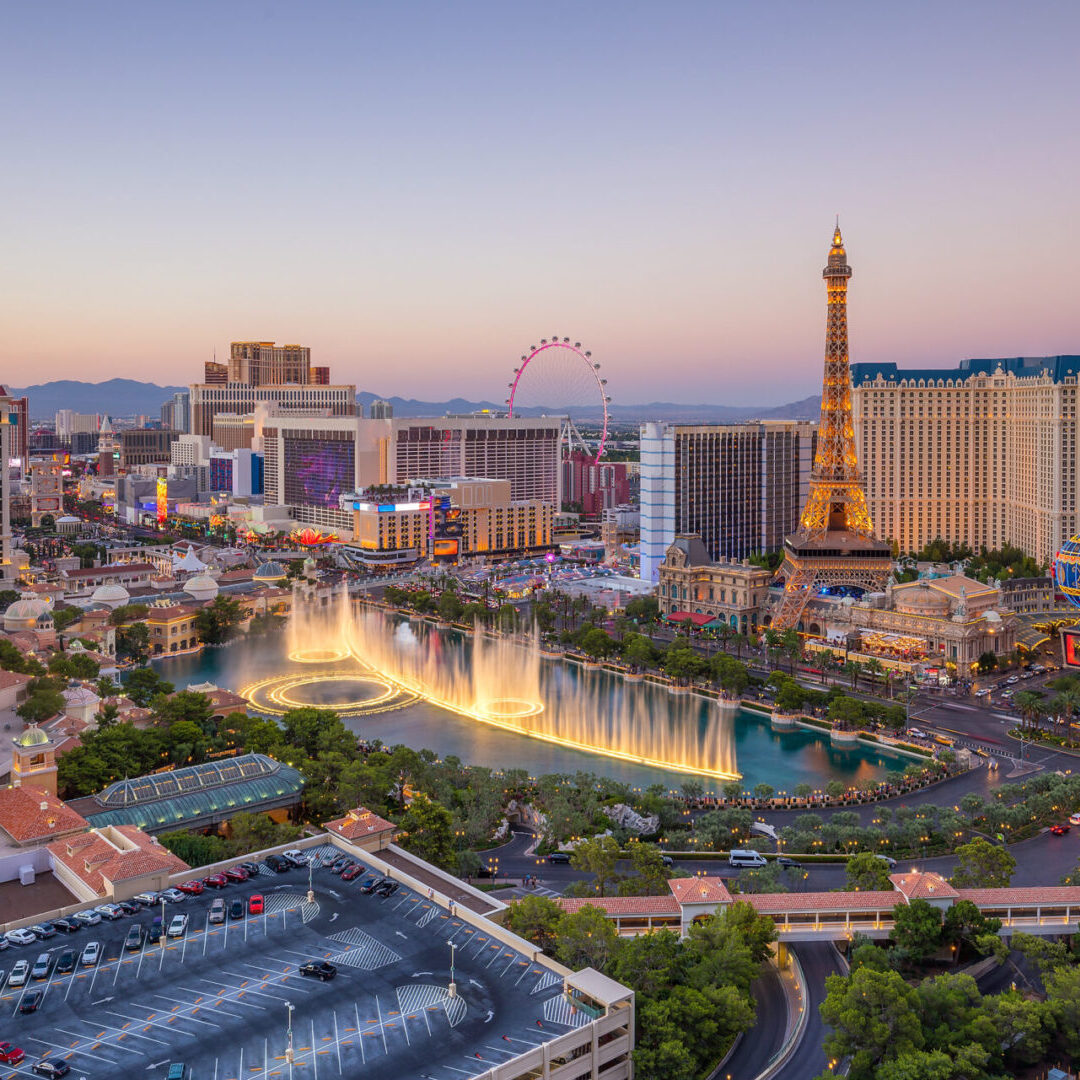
115,397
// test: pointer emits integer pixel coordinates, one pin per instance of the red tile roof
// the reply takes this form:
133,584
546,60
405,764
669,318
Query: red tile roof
923,885
358,824
110,571
28,814
703,890
1056,895
97,860
13,678
778,903
622,905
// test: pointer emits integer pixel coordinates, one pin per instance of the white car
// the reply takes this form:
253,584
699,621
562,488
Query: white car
916,733
91,954
177,926
87,918
1074,819
109,911
21,937
174,896
19,974
296,856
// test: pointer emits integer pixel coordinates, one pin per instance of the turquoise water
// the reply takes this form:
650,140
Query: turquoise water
782,759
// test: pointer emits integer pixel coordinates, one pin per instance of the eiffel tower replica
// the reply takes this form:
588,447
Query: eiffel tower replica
835,542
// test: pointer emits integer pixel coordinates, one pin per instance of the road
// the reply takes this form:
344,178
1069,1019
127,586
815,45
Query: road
758,1047
818,960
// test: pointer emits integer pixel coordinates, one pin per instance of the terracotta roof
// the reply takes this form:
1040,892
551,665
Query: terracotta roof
778,903
622,905
110,571
13,678
703,890
167,614
923,885
232,576
358,823
96,859
28,814
1036,894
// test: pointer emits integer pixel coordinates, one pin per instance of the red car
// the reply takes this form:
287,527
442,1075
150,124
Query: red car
255,904
10,1055
192,888
237,873
352,872
215,881
1059,830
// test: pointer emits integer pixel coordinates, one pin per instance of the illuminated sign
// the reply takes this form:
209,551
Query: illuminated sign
162,501
1071,638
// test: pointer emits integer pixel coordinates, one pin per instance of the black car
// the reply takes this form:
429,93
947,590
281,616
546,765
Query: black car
128,907
157,927
561,857
368,884
387,888
51,1067
31,1000
66,926
277,864
791,864
66,962
134,940
339,865
43,930
319,969
236,909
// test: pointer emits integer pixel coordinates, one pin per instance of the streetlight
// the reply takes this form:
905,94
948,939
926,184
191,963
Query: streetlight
310,884
452,988
161,941
289,1056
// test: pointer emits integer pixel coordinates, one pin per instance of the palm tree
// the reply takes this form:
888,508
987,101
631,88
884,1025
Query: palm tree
725,633
852,668
1030,705
1067,705
791,643
875,668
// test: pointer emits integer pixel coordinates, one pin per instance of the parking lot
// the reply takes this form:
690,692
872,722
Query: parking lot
218,998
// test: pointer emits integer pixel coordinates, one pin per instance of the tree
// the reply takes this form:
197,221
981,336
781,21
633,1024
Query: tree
987,662
1031,707
790,697
428,831
638,651
916,930
450,606
731,676
45,699
194,848
650,963
874,1018
983,865
216,622
596,643
133,641
867,873
536,919
643,609
597,857
1063,996
966,1063
144,684
648,863
585,938
965,924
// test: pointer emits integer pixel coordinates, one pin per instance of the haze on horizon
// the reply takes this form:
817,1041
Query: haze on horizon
419,192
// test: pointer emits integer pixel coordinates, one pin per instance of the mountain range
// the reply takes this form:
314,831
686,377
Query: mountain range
130,397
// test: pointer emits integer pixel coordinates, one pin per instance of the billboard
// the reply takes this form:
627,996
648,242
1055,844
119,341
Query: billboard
1071,640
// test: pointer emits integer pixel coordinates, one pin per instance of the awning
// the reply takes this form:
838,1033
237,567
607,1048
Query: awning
690,617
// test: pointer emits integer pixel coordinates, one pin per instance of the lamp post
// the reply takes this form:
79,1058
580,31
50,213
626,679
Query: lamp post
289,1055
161,940
310,883
452,988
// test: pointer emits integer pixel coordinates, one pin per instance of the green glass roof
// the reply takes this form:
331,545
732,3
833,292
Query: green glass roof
215,788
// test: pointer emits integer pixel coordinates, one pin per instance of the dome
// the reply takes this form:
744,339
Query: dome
32,736
269,571
920,600
23,614
112,595
202,587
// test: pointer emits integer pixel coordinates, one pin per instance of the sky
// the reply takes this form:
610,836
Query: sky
419,191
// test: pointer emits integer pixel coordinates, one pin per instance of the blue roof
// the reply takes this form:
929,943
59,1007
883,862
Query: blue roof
1057,366
214,789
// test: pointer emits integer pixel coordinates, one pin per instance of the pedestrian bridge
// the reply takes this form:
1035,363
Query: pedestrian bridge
1052,910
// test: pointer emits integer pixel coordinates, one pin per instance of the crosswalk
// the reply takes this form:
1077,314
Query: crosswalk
558,1010
417,996
545,982
362,950
287,901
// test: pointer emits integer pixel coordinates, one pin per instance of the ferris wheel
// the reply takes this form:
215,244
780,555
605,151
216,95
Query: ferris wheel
560,378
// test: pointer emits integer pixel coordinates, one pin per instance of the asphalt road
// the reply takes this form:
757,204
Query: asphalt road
763,1041
818,959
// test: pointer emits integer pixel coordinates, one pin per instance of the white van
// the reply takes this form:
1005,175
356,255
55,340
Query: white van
746,857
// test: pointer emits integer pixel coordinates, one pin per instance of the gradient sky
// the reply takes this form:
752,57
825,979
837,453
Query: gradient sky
421,190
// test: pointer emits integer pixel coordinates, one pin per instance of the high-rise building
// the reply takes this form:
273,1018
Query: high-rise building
739,487
176,412
146,446
381,410
593,485
19,450
264,363
320,376
214,374
311,461
8,427
835,542
69,422
982,454
47,484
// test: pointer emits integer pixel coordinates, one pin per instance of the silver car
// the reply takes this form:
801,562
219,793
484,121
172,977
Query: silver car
19,973
91,954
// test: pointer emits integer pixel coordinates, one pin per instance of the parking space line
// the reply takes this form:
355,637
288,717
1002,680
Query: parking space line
382,1029
76,1050
360,1036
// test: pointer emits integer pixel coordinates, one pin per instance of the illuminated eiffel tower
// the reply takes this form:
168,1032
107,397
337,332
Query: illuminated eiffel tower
835,542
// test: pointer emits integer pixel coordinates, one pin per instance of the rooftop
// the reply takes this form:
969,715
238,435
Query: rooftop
358,824
113,855
28,814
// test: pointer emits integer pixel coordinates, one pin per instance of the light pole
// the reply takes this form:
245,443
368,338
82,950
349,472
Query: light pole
310,883
452,988
161,940
289,1056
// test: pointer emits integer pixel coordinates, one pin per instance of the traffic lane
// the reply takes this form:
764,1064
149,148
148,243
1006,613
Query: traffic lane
758,1046
818,960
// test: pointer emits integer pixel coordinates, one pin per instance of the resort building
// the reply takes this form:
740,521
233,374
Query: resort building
740,487
46,475
172,628
146,446
983,454
694,587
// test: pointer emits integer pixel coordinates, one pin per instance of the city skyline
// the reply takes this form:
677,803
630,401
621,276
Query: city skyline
426,193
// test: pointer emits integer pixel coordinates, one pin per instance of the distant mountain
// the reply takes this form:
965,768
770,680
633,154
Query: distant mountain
116,397
807,409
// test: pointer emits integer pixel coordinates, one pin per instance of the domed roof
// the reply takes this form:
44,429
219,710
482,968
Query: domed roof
114,595
67,519
24,614
202,587
269,571
32,736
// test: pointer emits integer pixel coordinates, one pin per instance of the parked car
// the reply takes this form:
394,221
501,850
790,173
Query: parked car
31,1000
177,926
368,884
192,888
561,858
237,873
338,865
90,954
147,899
42,931
888,860
789,863
1059,830
21,937
215,881
10,1054
318,969
87,918
255,904
278,864
351,873
217,911
134,940
388,888
66,926
251,867
128,908
110,911
156,928
174,896
19,973
295,856
66,961
52,1067
236,909
42,967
